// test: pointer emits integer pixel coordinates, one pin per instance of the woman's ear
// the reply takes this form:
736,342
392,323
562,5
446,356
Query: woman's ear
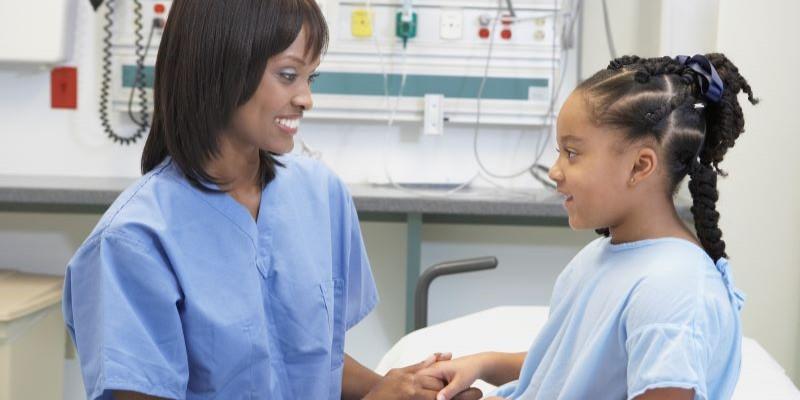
644,165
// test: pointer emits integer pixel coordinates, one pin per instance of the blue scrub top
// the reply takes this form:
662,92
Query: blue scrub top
632,317
180,293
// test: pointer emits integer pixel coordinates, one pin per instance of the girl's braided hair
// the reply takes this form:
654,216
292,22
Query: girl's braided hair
666,99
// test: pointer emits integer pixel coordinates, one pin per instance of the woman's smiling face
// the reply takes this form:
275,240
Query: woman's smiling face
271,117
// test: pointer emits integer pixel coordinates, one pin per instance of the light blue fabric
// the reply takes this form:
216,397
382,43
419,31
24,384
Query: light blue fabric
180,293
631,317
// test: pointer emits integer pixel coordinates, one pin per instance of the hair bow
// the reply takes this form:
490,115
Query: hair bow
710,83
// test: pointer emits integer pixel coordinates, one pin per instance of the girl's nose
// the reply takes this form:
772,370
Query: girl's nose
555,173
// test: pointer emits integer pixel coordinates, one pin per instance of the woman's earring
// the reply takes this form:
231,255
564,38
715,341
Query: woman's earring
633,180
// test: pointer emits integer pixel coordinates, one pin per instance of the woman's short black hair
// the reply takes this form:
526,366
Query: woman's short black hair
212,57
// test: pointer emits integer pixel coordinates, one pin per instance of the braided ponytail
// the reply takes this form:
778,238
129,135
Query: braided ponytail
703,187
724,124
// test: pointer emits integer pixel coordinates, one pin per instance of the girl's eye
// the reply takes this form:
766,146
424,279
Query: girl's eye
570,154
313,77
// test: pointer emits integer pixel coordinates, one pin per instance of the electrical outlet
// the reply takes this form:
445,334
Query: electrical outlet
433,118
361,23
451,25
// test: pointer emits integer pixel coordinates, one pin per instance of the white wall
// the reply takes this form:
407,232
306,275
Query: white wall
635,29
759,199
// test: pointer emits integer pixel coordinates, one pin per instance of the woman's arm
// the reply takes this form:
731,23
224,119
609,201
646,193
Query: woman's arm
357,380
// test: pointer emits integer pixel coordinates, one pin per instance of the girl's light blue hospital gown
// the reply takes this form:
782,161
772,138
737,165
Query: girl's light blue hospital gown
180,293
632,317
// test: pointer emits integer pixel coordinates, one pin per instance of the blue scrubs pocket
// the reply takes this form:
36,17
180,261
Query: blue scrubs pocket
302,321
221,358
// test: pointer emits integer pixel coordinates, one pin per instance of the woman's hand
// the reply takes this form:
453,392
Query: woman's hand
459,374
404,383
407,384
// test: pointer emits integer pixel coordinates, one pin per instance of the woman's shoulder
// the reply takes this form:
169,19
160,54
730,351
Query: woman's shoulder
143,205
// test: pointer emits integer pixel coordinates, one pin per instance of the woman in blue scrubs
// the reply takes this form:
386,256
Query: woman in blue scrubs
230,270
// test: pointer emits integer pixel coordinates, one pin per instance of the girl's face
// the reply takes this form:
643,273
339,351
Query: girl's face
591,169
270,119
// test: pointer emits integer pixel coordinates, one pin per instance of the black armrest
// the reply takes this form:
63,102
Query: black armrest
445,268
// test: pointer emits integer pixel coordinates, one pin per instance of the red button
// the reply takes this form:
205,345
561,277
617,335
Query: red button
483,33
159,8
506,34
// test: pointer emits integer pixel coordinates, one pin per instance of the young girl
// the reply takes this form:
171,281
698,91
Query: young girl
649,311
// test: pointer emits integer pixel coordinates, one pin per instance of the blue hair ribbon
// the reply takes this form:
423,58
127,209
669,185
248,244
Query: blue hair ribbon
710,83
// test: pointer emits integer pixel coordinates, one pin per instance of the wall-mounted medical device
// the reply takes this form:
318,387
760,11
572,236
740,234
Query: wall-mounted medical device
430,61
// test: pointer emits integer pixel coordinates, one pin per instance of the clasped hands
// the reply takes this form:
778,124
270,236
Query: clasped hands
438,377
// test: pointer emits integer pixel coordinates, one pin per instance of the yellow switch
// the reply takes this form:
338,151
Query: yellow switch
361,23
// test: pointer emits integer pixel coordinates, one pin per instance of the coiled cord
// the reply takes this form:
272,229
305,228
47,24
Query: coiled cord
106,77
140,81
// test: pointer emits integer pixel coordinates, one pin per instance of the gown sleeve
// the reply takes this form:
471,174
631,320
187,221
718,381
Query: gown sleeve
670,337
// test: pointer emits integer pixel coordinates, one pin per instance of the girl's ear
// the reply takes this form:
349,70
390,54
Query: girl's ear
644,165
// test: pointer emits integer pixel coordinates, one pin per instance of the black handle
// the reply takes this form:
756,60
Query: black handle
445,268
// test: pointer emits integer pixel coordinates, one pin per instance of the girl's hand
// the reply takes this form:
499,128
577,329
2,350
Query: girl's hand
459,374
